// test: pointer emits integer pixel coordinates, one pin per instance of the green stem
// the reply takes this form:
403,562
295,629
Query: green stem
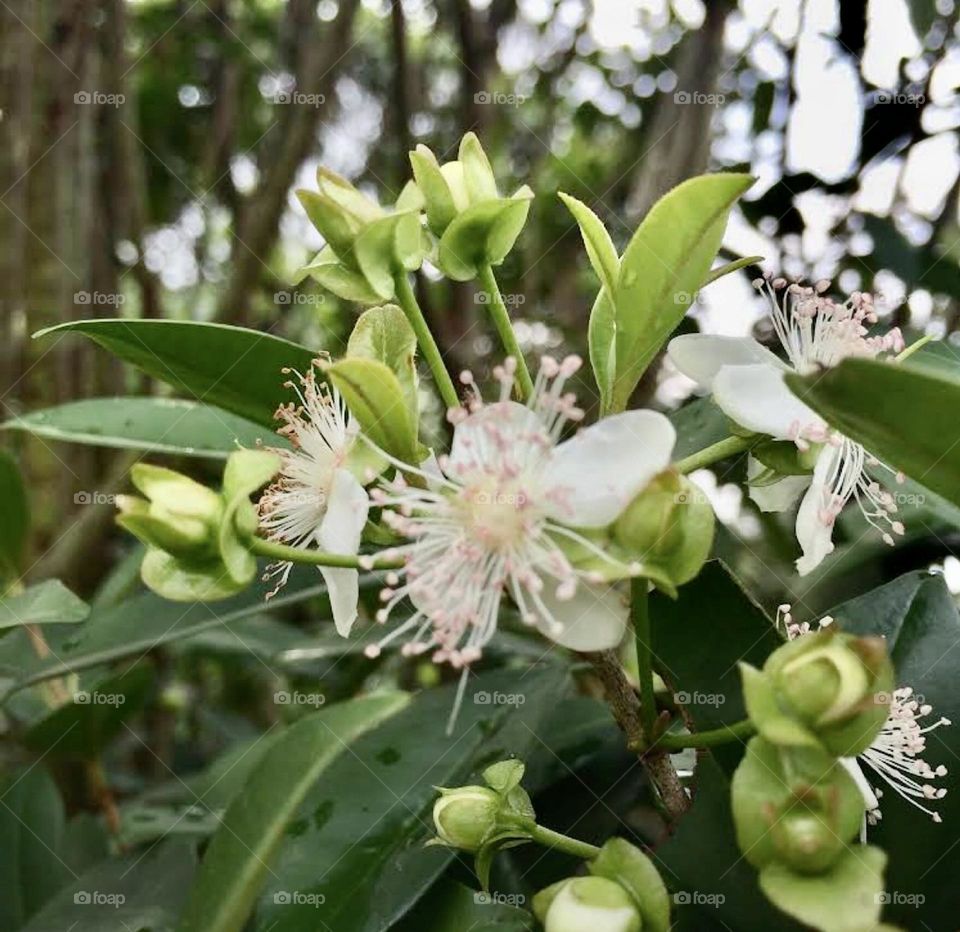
428,346
551,839
501,319
913,347
714,453
708,739
275,551
640,610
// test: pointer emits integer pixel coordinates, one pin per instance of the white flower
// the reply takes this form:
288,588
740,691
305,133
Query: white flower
498,515
317,502
895,754
746,380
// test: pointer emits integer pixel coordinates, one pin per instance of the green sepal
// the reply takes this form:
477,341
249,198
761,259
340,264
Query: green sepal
628,866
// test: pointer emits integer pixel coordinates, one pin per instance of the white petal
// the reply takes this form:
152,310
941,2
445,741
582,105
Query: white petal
756,397
594,619
700,356
814,534
340,532
472,444
343,587
866,791
778,496
596,474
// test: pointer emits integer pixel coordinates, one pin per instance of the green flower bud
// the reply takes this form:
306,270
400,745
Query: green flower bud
195,537
825,690
592,903
795,806
464,817
668,526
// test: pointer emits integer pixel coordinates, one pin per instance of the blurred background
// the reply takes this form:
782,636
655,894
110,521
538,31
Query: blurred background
150,149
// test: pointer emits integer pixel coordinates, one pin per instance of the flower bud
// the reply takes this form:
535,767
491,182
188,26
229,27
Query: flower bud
668,526
464,817
825,690
592,903
795,806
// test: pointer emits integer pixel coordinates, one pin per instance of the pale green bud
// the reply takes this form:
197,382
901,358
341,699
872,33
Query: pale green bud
592,904
464,817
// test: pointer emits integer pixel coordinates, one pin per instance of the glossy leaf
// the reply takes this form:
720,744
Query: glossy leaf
357,839
32,827
234,368
452,907
240,855
664,266
47,603
160,425
142,891
904,416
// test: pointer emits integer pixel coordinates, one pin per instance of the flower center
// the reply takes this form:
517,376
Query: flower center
497,511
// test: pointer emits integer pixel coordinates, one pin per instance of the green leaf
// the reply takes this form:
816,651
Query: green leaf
32,825
240,855
231,367
601,333
141,892
904,416
451,907
47,603
384,335
357,840
600,249
699,424
729,267
846,899
664,266
160,425
16,519
376,399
